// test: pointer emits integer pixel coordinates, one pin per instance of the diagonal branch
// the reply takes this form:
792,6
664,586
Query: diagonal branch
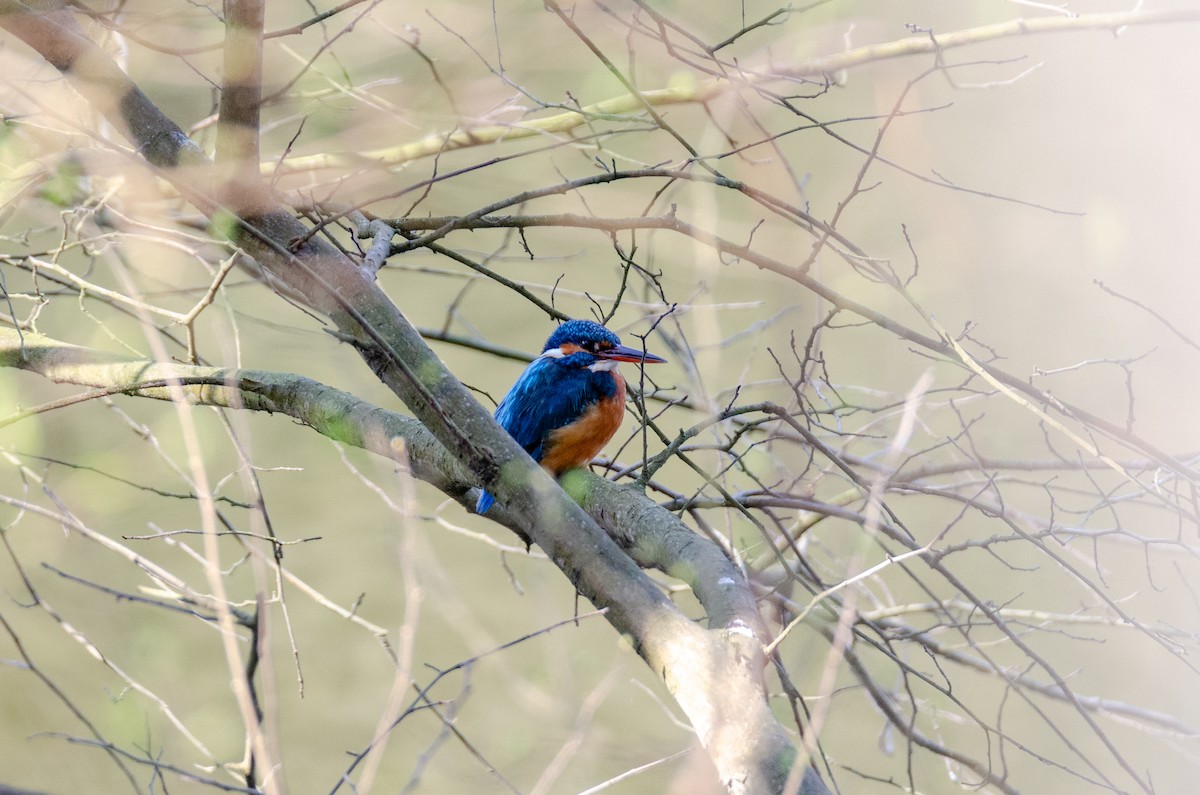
655,537
625,107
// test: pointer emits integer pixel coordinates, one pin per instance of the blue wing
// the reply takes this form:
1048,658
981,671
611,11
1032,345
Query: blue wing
550,393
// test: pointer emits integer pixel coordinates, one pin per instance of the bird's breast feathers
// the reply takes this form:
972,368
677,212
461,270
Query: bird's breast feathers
555,392
577,443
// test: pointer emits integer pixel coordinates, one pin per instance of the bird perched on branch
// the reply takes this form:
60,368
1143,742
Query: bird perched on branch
570,400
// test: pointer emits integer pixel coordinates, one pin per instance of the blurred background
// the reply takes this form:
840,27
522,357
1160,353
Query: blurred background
1030,194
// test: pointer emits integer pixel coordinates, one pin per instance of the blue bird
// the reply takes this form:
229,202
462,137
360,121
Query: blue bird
569,401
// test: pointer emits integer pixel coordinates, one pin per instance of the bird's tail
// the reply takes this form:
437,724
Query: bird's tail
485,502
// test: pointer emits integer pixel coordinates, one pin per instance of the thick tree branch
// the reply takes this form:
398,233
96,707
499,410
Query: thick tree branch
655,537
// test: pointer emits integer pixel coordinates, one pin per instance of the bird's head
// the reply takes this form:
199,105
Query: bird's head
592,345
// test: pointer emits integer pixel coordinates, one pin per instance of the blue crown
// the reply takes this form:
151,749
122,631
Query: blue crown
580,331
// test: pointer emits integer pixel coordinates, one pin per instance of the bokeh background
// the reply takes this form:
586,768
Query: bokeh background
1023,174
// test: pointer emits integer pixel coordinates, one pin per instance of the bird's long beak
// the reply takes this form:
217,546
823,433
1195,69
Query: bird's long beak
622,353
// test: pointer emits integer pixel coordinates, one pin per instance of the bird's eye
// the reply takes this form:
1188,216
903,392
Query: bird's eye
589,346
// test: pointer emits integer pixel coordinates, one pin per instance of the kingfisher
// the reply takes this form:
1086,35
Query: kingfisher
569,401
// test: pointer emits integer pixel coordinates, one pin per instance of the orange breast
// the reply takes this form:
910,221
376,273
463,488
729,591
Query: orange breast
575,445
